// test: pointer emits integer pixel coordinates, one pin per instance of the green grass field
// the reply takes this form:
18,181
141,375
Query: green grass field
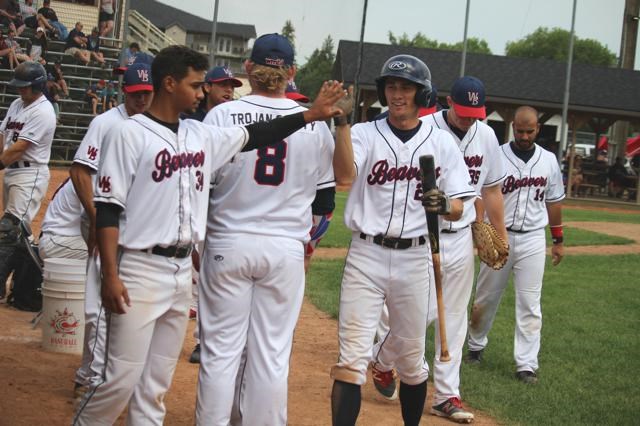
339,235
589,355
572,214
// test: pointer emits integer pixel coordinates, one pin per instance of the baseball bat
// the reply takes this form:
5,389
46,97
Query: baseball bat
427,167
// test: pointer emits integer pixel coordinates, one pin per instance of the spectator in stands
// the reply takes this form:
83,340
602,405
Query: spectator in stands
109,97
128,55
577,177
47,18
39,46
94,94
7,55
617,177
93,45
602,155
52,93
18,51
29,14
10,15
58,78
76,44
105,19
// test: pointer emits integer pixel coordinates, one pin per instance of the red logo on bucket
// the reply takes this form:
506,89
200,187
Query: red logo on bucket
64,322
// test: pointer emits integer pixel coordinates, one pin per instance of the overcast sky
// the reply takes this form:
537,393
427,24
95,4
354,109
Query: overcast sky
496,21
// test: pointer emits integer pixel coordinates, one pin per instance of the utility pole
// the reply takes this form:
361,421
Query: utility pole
567,87
212,47
464,41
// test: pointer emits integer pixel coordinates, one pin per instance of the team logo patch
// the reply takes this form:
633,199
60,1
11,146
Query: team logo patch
218,258
104,183
64,322
274,62
92,152
397,66
143,75
474,98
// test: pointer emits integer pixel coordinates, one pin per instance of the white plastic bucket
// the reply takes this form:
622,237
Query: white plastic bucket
63,305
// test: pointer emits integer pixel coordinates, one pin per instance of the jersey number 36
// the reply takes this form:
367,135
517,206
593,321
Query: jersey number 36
270,164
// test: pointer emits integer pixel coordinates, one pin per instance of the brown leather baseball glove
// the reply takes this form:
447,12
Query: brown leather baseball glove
492,249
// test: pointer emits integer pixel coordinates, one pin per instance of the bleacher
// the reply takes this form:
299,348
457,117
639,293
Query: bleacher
75,112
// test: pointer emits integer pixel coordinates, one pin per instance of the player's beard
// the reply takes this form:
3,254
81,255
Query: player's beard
524,145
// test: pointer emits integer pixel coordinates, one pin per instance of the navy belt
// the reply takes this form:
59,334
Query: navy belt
517,231
453,231
179,252
19,164
394,243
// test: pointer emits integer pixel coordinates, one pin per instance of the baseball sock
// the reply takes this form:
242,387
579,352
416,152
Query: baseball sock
345,403
412,398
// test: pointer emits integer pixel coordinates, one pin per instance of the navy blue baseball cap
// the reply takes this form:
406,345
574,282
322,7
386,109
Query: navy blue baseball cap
137,78
220,74
292,93
468,96
272,50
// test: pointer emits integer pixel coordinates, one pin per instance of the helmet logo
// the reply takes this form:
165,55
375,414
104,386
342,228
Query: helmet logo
397,66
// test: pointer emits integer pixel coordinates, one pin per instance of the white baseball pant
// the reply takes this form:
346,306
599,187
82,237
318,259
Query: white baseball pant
60,246
142,345
372,276
457,267
526,259
251,293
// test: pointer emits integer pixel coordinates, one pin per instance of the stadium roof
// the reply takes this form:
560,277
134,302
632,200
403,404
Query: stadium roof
595,90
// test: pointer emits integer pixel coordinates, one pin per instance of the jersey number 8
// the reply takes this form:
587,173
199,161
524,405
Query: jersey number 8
270,164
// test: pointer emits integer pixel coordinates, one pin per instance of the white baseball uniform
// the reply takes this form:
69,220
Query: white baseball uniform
26,181
161,180
61,235
252,275
481,152
88,154
385,202
527,190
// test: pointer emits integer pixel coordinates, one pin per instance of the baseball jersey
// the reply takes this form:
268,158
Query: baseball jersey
528,187
481,152
64,211
88,153
161,178
35,123
269,191
385,197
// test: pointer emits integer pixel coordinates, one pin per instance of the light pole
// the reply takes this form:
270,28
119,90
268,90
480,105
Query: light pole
464,41
567,86
212,47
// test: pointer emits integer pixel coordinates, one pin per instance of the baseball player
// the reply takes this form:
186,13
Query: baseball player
219,85
138,92
26,134
533,191
478,144
252,276
388,258
61,236
151,200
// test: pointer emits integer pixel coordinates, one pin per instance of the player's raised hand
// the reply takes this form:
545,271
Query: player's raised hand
114,295
324,106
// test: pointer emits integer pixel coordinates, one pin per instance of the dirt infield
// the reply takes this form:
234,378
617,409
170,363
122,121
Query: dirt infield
37,385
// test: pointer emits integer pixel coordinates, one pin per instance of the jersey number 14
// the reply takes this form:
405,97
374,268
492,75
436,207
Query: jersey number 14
270,164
